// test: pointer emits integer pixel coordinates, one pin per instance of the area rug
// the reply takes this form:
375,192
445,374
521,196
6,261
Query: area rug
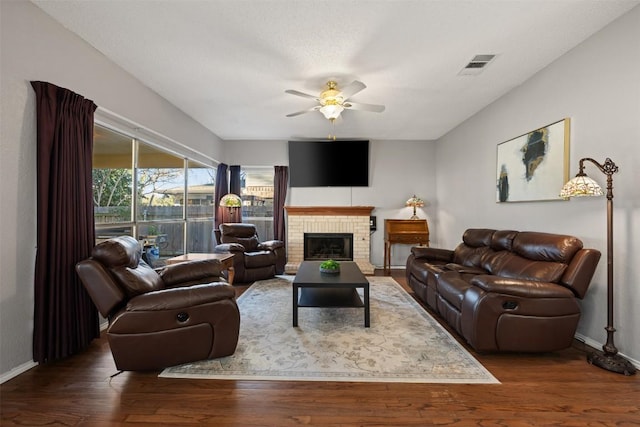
404,344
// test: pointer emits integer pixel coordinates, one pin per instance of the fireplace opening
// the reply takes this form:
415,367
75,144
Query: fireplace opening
336,246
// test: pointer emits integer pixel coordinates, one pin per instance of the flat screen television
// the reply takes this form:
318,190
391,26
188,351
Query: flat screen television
329,163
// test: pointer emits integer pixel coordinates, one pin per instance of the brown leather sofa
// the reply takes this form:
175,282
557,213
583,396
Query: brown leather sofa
183,314
253,260
504,290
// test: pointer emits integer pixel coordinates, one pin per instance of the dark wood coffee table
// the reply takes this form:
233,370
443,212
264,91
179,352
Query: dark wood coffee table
314,289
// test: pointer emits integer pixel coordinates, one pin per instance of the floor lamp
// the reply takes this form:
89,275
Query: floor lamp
233,203
582,185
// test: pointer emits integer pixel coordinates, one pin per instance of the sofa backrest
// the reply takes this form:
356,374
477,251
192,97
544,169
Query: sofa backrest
534,256
546,247
502,240
115,272
529,255
510,264
122,257
476,243
244,234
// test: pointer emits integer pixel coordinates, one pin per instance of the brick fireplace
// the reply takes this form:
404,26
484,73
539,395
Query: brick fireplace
328,219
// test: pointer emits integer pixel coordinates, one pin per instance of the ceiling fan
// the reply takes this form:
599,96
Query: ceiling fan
334,101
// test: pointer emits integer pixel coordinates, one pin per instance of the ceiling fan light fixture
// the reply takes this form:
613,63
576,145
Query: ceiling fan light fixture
332,101
331,95
331,91
331,111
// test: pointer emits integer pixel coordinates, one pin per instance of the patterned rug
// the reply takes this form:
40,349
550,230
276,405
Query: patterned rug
403,344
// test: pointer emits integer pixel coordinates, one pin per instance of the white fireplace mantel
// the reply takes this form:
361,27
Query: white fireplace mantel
328,219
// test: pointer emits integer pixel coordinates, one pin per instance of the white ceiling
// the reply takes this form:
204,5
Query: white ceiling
227,63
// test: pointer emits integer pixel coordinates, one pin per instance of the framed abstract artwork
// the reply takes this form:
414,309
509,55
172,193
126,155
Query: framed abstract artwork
534,166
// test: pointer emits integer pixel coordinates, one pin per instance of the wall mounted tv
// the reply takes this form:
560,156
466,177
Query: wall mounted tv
329,163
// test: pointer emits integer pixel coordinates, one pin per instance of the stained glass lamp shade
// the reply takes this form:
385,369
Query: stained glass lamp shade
415,202
581,185
231,201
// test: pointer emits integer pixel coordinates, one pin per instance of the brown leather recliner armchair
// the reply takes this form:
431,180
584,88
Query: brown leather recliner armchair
253,260
181,315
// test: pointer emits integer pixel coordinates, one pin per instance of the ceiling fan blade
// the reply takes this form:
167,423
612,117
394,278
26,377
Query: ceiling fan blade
297,113
302,94
363,107
352,88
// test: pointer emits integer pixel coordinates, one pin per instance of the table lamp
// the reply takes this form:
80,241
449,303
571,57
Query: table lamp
415,202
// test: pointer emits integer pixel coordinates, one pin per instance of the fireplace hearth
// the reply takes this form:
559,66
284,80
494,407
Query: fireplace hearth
321,246
352,220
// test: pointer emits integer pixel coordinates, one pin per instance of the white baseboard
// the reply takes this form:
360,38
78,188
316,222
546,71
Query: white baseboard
31,364
594,344
391,267
17,371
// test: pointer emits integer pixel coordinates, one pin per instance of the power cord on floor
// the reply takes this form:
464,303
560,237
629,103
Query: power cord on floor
115,375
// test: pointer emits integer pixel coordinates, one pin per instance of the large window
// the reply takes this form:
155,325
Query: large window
112,177
257,199
160,179
199,204
173,209
160,185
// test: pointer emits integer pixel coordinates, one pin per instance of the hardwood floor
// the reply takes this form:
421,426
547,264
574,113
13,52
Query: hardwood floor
554,389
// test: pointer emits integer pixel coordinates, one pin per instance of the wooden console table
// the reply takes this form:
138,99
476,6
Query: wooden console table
403,231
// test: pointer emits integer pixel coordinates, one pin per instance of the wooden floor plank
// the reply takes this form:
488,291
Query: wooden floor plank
553,389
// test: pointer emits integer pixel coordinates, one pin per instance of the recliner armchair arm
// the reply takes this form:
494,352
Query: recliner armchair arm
271,245
229,247
179,298
206,271
520,287
432,253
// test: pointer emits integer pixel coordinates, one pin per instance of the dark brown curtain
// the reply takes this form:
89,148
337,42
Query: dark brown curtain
235,182
222,188
280,183
65,319
235,187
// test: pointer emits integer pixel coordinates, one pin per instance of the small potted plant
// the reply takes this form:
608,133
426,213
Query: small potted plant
330,266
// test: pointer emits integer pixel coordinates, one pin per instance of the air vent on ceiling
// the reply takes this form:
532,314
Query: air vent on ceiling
477,64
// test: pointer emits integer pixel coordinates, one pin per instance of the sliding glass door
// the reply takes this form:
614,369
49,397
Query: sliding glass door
173,209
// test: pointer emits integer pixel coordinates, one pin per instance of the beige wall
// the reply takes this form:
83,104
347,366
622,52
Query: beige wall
597,85
34,47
